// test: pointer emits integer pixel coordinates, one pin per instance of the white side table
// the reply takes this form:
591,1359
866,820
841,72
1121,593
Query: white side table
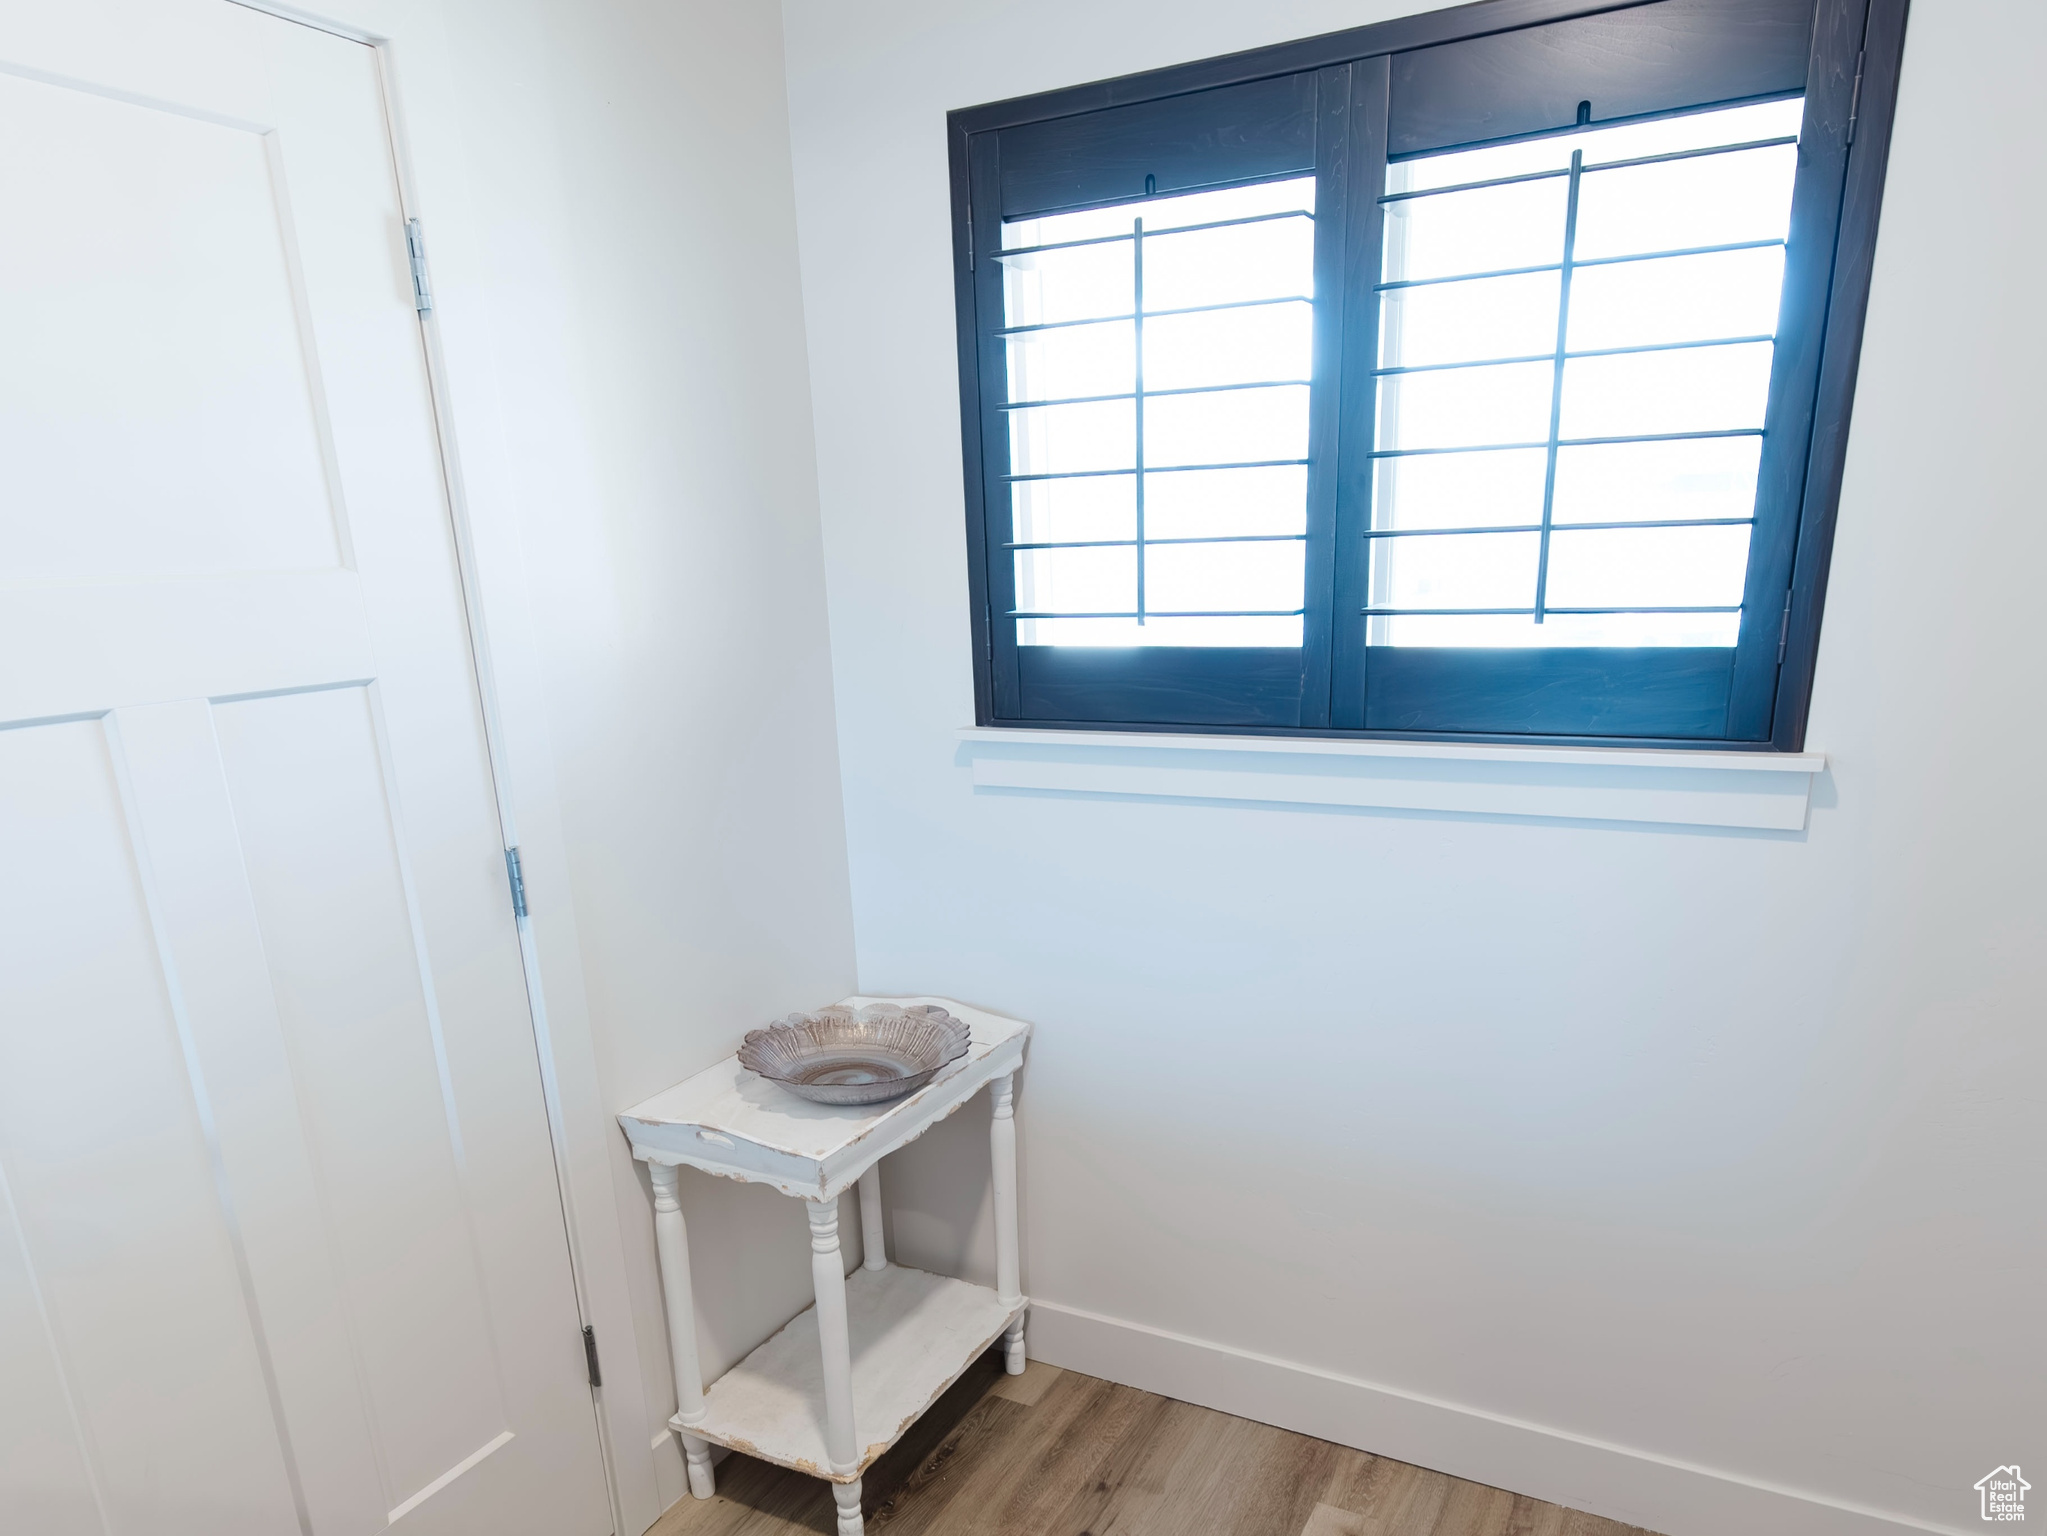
839,1385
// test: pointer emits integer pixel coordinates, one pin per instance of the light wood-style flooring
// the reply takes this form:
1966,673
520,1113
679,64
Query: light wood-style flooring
1056,1453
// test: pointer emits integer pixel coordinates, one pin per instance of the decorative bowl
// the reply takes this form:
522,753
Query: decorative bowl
838,1056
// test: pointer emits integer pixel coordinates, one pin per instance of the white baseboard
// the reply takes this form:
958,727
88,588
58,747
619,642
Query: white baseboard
1674,1497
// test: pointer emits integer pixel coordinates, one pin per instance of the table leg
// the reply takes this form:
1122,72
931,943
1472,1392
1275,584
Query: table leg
873,1254
1002,1155
835,1342
671,1243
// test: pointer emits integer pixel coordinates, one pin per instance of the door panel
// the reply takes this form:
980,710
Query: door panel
106,1162
244,1068
281,1248
221,467
42,1465
356,1002
70,647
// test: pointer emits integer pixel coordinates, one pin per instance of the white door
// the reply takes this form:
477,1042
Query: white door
280,1243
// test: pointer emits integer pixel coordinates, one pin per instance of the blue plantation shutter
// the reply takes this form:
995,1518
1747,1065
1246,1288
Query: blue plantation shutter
1416,382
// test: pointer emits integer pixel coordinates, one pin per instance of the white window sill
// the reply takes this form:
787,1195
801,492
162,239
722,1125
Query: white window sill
1768,790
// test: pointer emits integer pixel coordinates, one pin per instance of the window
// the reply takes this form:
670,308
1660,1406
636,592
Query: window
1424,379
1158,358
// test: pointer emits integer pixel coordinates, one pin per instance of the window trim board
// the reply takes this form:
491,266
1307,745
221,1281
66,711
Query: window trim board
1724,790
1869,145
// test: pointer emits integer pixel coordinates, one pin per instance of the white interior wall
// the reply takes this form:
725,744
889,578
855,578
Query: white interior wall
679,594
607,201
1691,1177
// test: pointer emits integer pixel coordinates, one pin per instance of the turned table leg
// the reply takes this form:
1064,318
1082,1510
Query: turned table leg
1002,1152
872,1254
671,1243
836,1344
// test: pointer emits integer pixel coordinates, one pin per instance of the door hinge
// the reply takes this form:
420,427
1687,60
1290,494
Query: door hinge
590,1356
1784,630
970,237
415,252
517,875
1855,99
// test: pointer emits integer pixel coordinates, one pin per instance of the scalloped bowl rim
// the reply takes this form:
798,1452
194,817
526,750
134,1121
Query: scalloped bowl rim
954,1038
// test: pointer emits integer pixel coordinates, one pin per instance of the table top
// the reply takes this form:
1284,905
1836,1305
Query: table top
732,1122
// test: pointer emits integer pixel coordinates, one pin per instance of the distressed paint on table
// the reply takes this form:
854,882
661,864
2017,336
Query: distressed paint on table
735,1124
912,1334
841,1384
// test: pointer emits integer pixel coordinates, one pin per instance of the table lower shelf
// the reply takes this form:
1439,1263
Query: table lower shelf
913,1336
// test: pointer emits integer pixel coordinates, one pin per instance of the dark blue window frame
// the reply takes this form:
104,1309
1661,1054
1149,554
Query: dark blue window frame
1338,107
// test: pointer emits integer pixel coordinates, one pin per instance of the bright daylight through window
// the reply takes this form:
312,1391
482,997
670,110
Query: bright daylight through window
1482,373
1163,499
1575,345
